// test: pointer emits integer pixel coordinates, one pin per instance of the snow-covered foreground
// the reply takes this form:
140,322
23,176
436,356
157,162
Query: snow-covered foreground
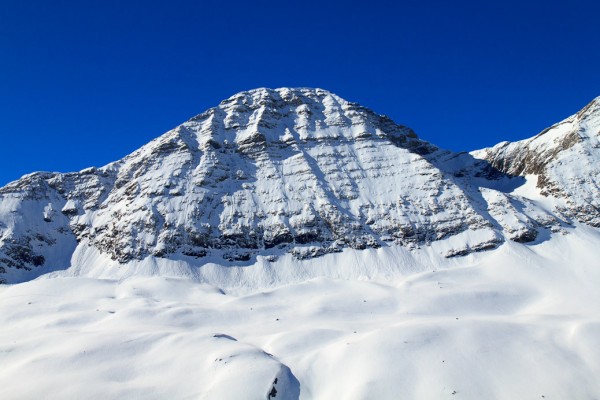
518,322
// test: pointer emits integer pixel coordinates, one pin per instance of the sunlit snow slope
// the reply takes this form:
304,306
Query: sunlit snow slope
288,244
282,174
518,322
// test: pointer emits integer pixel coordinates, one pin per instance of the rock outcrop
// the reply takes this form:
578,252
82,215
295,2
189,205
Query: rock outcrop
564,158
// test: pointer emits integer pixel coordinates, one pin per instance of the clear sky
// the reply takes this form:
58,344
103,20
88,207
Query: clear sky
83,83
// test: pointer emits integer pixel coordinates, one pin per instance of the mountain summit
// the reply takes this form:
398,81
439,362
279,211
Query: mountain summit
297,173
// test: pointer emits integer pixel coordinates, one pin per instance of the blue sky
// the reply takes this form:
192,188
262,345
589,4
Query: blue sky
83,83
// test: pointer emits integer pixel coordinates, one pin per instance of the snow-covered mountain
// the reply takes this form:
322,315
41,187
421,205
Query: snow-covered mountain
565,161
288,244
295,173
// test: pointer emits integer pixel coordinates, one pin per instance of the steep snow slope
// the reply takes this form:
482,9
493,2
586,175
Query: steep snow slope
297,170
563,159
276,168
36,214
265,174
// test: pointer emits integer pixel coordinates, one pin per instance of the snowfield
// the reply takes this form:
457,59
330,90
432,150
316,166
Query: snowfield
518,322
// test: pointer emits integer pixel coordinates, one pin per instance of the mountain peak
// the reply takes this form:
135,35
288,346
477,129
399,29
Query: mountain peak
565,159
267,173
261,117
281,93
276,98
591,110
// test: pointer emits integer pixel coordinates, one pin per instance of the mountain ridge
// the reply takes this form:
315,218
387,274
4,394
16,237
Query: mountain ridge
269,172
564,157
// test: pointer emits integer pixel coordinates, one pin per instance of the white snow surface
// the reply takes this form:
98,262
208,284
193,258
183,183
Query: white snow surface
521,321
288,244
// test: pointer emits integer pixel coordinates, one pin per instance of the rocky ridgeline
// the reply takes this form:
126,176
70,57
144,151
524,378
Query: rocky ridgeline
287,170
566,160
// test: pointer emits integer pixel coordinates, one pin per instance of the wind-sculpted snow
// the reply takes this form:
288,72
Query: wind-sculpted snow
518,322
265,174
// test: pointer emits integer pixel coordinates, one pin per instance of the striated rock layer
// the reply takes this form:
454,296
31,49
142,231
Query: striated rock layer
300,171
565,158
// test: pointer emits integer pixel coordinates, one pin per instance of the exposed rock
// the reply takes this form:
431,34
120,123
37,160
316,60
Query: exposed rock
293,170
565,158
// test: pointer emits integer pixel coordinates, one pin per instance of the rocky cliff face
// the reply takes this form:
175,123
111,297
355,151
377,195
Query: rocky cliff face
273,171
564,158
